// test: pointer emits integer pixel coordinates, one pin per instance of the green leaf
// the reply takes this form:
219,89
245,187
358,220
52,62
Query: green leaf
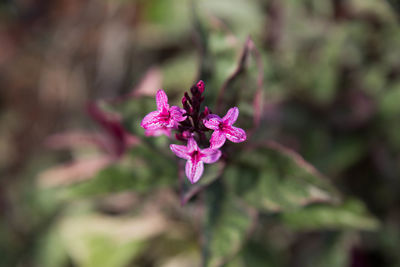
51,251
165,22
227,225
343,152
95,240
333,250
351,214
146,169
274,178
104,252
248,75
185,65
256,254
388,103
233,13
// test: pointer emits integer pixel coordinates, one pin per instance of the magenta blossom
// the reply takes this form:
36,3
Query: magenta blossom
164,118
192,125
223,128
196,158
158,132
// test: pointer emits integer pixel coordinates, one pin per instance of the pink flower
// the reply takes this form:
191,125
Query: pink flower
200,86
158,132
164,117
223,128
196,158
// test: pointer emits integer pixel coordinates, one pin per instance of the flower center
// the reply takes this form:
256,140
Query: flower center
196,156
165,115
222,126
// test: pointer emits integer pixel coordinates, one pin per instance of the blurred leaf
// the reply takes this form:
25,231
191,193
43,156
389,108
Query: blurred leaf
248,76
73,172
51,250
351,214
146,169
255,254
389,102
342,154
381,8
319,82
177,247
334,253
104,252
226,228
234,13
95,240
165,22
274,178
389,240
374,78
186,66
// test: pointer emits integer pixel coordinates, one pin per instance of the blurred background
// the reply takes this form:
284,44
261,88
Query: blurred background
317,83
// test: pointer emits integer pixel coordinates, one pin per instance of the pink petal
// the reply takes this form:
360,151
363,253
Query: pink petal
212,122
210,155
158,132
217,139
194,170
235,134
231,116
177,113
152,121
192,145
172,124
180,151
162,100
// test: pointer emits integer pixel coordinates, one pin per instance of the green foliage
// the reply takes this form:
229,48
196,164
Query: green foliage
274,180
144,170
226,227
348,215
104,252
102,241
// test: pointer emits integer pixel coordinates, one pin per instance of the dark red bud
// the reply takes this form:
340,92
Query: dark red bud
186,95
200,86
179,137
186,134
206,111
194,90
184,100
186,107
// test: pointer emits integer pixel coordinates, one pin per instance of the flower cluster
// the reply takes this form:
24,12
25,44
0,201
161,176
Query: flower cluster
191,126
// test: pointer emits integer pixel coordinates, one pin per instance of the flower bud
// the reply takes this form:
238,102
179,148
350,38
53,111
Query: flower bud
200,86
186,134
187,97
206,111
179,137
194,90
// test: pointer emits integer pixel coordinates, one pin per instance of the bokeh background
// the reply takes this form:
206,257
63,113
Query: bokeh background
316,184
